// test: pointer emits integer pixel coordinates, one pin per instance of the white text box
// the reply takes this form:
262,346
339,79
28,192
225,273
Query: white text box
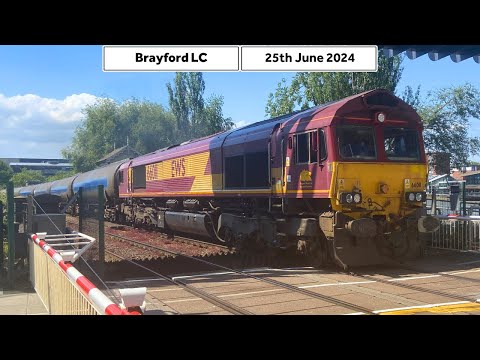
170,58
309,58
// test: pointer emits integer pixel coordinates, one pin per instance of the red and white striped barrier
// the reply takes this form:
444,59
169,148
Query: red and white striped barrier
95,295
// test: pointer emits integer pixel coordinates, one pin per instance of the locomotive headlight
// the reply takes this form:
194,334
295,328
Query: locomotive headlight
357,198
418,197
381,117
349,198
411,197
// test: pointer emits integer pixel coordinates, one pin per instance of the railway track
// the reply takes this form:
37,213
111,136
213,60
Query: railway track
201,244
223,304
448,274
326,298
397,283
156,236
132,255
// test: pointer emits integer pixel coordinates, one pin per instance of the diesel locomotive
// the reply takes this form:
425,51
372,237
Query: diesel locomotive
342,182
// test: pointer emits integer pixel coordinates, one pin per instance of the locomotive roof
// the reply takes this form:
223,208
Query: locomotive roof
262,129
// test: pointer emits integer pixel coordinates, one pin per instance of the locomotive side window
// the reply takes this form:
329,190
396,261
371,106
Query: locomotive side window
401,144
234,172
256,174
323,145
356,142
139,177
306,148
302,149
120,177
247,171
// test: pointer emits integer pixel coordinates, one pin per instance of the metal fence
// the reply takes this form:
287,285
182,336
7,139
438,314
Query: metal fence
457,233
459,215
451,198
88,218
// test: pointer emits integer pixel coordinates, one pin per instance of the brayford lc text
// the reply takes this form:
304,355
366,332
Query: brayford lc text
158,59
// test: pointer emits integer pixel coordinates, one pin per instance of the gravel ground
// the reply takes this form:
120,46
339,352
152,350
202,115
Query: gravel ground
150,237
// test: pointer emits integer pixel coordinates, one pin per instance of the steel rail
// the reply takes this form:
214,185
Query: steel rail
309,293
225,305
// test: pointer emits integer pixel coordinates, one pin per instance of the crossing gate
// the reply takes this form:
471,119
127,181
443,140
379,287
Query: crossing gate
61,287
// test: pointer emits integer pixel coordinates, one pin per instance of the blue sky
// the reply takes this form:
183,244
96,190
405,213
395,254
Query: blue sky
43,89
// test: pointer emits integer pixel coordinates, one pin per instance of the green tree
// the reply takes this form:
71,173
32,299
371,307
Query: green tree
446,115
212,120
61,175
3,200
194,116
5,174
308,89
108,125
28,177
95,136
186,101
148,126
154,129
412,97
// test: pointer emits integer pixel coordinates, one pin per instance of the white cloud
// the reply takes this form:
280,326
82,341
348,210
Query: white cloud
33,126
242,123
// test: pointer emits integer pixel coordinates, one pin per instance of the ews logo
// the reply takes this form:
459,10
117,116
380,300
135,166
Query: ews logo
178,167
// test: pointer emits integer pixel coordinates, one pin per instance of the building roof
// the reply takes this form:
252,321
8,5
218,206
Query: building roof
33,160
437,177
457,174
115,152
40,165
469,173
457,53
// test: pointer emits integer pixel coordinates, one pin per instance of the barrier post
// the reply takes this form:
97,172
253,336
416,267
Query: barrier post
433,211
101,229
1,238
464,199
29,228
11,233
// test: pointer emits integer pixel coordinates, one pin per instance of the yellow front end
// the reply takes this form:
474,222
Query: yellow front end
382,187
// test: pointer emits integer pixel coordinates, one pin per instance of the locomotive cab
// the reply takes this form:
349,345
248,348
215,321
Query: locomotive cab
377,186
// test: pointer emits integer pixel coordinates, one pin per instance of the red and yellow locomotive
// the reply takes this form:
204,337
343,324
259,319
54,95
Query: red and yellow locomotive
342,182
